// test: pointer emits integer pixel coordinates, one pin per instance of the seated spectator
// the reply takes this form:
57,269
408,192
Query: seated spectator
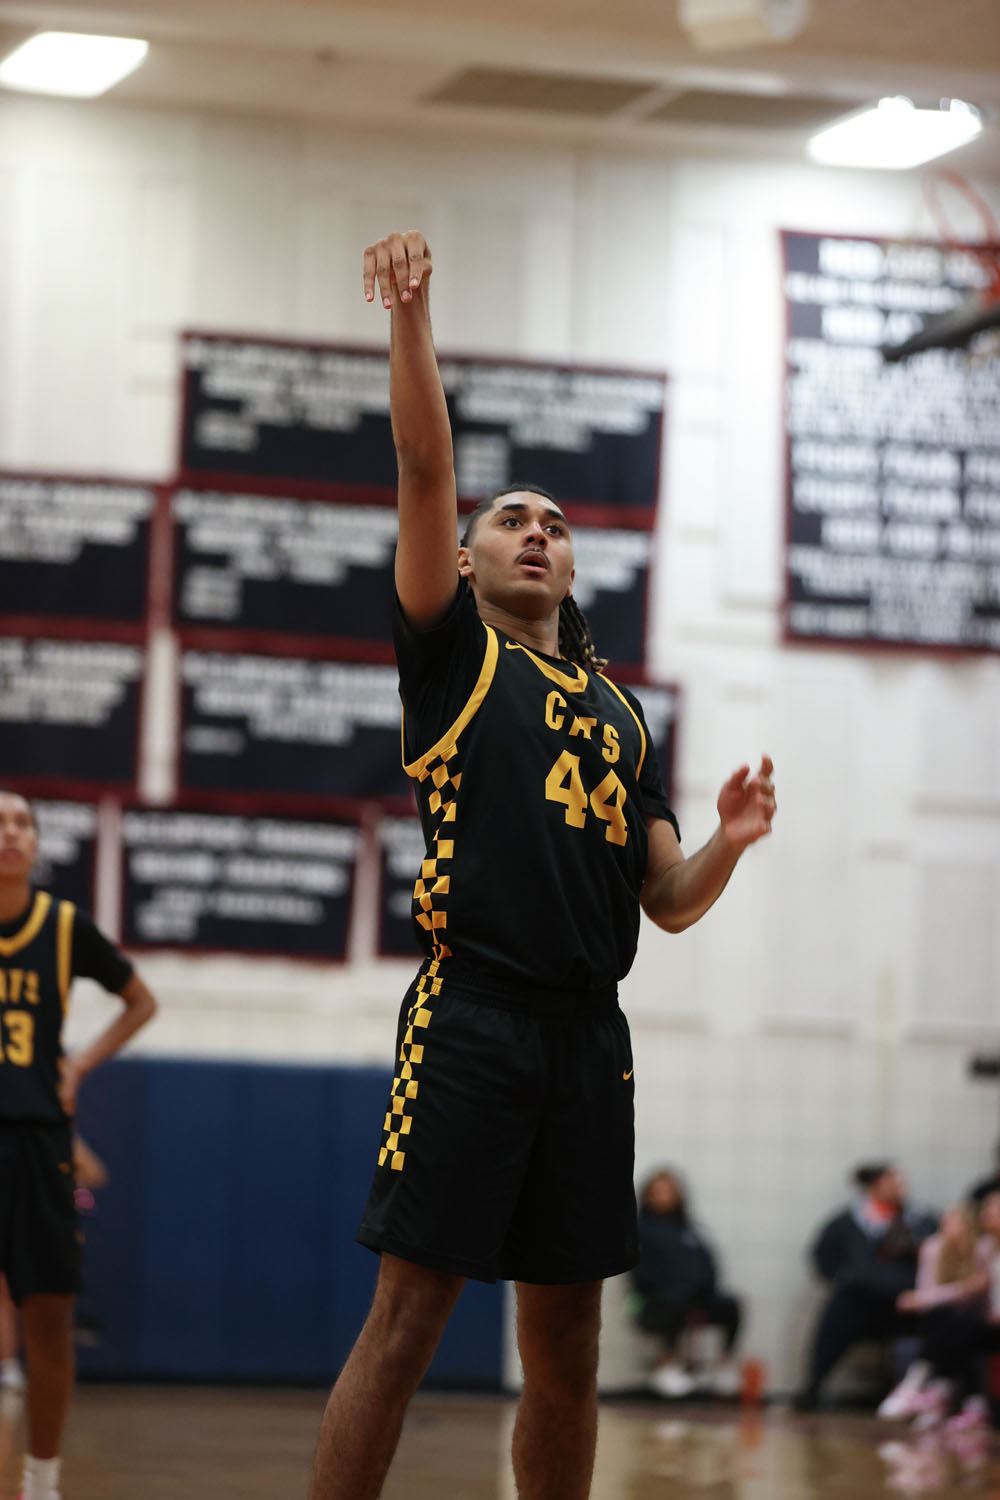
958,1333
868,1252
986,1185
953,1270
677,1283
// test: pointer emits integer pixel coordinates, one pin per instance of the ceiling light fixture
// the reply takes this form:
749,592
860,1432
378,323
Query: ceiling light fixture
71,63
722,25
895,134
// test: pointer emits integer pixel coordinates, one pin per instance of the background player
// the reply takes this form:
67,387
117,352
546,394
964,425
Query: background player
44,945
509,1140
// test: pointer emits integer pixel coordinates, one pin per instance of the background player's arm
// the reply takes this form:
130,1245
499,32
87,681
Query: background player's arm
426,554
677,891
140,1007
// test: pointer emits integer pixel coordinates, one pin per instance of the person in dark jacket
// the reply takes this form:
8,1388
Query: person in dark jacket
676,1282
868,1252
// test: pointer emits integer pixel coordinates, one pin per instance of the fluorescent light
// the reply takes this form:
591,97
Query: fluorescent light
69,62
895,135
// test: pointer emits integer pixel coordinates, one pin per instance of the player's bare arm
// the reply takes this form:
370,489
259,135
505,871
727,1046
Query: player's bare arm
677,891
139,1008
398,270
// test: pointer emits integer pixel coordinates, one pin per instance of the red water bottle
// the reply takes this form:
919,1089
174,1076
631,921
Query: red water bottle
753,1382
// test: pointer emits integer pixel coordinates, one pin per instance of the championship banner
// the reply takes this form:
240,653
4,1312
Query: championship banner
74,548
270,565
893,471
318,415
400,851
69,713
265,885
291,727
67,850
275,564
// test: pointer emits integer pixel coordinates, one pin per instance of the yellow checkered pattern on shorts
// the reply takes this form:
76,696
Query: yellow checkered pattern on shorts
398,1120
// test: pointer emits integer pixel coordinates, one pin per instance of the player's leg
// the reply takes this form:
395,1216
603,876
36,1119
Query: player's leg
555,1434
11,1374
47,1325
364,1415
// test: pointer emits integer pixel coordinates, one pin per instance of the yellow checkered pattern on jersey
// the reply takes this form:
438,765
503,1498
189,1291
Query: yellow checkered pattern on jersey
433,883
398,1120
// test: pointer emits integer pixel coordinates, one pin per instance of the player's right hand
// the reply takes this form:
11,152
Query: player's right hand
400,263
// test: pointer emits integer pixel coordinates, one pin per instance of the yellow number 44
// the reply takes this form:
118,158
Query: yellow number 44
563,784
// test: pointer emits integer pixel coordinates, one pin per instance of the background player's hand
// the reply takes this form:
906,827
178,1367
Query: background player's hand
70,1079
746,805
400,263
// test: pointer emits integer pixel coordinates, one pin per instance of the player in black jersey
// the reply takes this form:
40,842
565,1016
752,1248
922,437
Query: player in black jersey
507,1145
44,945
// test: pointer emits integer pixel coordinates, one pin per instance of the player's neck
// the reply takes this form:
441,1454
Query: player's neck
538,635
15,896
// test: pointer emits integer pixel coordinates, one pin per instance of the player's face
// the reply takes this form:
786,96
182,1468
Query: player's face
520,556
18,838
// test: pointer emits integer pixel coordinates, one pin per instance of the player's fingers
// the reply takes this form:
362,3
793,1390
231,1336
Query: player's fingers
738,777
418,258
400,266
766,766
383,272
369,273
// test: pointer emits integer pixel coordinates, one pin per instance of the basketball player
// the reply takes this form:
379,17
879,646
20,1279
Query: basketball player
44,945
508,1143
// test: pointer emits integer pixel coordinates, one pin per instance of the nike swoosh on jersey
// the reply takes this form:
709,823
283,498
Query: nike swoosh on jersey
628,1075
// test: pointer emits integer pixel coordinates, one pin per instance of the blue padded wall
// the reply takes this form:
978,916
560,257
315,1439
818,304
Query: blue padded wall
223,1248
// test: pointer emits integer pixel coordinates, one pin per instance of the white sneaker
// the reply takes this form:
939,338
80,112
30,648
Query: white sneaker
672,1381
902,1401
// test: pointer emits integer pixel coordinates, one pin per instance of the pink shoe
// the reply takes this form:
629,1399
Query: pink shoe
973,1417
931,1405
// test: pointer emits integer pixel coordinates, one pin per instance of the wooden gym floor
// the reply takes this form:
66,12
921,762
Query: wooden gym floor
169,1443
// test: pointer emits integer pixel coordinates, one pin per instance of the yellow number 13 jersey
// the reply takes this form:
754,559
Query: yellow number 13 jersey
534,779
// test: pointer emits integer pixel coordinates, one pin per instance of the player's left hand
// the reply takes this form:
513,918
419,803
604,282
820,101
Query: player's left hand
70,1079
746,805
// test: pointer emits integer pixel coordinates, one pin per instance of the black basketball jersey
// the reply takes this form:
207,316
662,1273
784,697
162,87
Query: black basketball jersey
534,779
39,957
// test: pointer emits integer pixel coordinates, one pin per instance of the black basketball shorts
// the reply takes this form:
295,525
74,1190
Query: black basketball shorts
39,1234
508,1144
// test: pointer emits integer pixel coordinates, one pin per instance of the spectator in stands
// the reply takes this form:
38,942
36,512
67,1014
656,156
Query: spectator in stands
953,1271
868,1252
676,1283
958,1334
986,1185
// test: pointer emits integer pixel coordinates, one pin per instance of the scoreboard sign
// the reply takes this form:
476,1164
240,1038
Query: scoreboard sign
67,850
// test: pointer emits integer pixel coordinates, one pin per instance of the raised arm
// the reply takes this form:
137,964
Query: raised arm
427,551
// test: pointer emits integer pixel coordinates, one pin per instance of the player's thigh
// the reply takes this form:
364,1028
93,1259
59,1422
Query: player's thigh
576,1218
45,1237
457,1137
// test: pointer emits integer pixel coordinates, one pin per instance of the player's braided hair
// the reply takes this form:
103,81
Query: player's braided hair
575,640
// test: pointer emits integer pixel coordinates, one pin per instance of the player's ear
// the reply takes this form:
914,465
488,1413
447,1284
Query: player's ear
569,591
464,562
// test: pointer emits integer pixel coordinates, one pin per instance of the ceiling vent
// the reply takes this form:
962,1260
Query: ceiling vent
550,93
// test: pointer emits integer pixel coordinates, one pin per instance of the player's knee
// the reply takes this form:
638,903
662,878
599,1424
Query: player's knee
562,1360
